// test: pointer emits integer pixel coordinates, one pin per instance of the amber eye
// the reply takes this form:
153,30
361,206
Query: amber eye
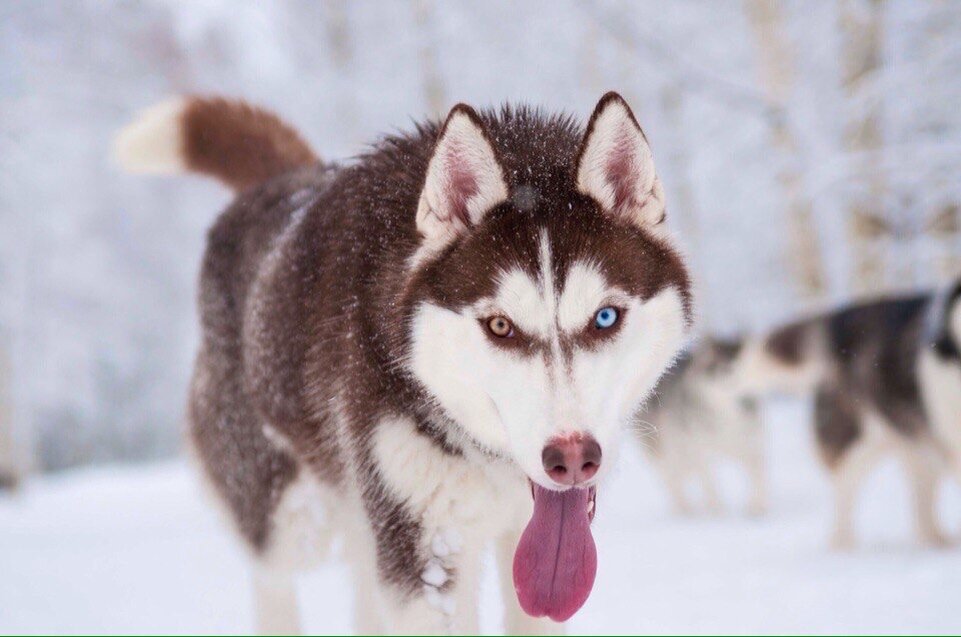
500,327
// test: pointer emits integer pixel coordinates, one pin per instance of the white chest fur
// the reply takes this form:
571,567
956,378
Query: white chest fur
472,497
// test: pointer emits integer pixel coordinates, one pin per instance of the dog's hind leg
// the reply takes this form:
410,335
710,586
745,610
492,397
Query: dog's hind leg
707,477
849,450
673,469
516,621
848,477
275,601
757,477
923,469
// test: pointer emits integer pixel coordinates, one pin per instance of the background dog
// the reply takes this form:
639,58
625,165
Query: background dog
886,379
699,415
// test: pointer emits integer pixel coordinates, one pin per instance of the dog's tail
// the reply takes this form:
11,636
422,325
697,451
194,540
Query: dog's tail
236,143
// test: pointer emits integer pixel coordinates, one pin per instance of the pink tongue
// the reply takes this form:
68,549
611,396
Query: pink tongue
556,560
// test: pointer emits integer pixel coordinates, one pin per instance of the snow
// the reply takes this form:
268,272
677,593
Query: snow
139,549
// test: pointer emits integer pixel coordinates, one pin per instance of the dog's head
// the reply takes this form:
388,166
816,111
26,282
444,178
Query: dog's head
714,373
550,300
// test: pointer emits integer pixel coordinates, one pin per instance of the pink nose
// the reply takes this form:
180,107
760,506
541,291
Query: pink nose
572,458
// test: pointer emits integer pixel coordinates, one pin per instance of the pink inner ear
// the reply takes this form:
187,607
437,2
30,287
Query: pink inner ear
461,183
621,168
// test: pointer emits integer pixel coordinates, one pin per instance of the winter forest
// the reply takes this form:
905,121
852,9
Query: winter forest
808,150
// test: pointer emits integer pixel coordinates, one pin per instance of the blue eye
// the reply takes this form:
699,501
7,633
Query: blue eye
606,317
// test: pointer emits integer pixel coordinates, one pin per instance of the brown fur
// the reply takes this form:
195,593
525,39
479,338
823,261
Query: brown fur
787,343
8,481
837,424
238,144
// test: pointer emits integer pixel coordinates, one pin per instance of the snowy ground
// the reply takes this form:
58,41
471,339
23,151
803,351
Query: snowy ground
136,549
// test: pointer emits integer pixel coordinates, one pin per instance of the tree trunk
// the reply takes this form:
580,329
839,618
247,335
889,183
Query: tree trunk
777,74
11,465
861,25
434,90
682,204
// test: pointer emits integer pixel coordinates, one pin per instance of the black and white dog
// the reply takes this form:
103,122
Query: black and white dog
886,379
402,349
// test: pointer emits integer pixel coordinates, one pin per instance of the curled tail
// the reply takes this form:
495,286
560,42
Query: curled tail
236,143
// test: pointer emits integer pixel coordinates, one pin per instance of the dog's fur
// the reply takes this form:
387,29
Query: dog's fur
347,384
886,379
699,415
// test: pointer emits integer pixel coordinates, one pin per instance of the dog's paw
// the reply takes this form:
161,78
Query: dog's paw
936,540
842,542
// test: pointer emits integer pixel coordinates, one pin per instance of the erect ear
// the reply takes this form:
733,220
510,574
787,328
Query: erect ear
464,178
615,165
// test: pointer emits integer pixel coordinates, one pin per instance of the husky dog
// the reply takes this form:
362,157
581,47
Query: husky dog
402,350
699,414
886,379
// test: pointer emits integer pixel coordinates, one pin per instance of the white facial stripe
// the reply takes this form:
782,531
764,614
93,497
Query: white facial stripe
530,304
549,290
546,265
519,298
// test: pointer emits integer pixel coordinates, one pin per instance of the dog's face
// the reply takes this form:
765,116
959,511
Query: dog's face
549,309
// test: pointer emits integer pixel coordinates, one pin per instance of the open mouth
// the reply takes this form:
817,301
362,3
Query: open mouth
556,559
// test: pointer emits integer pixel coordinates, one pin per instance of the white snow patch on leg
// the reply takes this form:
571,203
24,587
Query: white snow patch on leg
434,574
440,601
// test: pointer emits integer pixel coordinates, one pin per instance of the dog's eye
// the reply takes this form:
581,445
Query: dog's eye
500,327
605,318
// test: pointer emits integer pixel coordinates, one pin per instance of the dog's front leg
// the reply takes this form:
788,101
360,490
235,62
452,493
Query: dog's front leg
439,594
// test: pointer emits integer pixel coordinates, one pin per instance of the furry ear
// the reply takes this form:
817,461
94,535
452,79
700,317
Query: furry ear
615,165
464,178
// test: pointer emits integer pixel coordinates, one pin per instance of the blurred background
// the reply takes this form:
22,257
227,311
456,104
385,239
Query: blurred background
810,151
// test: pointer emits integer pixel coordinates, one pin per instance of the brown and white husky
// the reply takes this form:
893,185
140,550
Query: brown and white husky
402,349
